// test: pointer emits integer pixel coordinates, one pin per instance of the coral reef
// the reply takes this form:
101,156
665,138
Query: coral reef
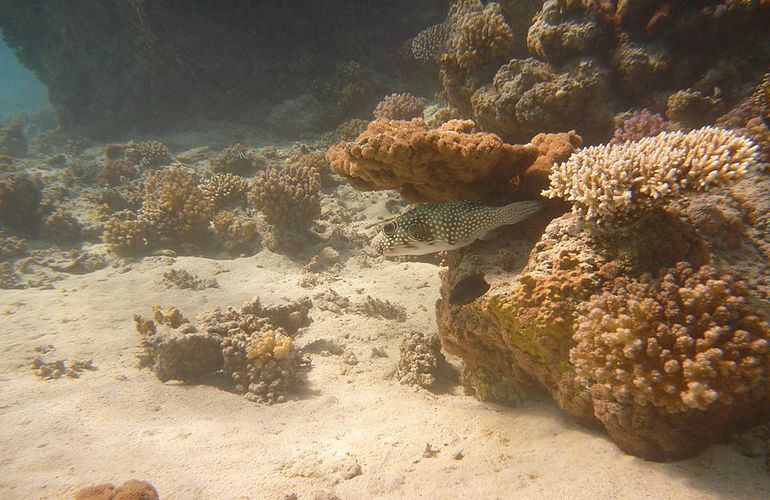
60,226
253,345
520,338
638,124
289,199
446,163
399,107
422,364
619,181
145,154
20,197
133,489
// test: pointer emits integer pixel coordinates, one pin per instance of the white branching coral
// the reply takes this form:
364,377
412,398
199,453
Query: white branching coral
618,181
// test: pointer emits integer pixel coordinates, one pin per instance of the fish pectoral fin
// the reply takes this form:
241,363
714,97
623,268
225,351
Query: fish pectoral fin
491,234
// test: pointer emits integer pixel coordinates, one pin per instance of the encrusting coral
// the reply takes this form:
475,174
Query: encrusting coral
620,181
253,345
400,107
446,163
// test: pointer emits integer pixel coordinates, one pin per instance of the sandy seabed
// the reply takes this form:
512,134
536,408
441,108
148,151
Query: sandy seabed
354,431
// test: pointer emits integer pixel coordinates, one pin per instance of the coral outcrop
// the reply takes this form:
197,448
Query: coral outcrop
237,159
253,345
450,162
617,181
12,141
528,96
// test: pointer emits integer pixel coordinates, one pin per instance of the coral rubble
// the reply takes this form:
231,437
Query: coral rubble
422,364
252,345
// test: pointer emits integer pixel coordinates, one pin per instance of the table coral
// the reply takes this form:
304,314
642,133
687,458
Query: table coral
446,163
621,181
400,107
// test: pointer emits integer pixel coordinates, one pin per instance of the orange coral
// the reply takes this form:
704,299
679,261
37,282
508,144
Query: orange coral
446,163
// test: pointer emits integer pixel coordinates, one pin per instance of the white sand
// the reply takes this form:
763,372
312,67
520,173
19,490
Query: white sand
199,442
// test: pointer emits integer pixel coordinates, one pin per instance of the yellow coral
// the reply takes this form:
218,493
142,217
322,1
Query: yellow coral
618,181
270,344
685,341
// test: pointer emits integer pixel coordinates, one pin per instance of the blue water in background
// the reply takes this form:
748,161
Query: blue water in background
20,90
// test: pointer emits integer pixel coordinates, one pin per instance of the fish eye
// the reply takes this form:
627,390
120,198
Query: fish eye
389,229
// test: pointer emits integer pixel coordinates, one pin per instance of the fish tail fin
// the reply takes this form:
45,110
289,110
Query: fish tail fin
517,211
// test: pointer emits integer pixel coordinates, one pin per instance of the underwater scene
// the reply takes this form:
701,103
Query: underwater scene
365,249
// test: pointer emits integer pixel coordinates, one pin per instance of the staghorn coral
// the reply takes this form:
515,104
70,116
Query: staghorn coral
422,364
20,197
12,141
252,345
638,124
133,489
621,181
399,107
527,97
223,190
238,160
447,163
175,208
289,199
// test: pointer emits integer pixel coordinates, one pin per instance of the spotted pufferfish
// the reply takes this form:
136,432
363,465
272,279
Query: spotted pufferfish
446,226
